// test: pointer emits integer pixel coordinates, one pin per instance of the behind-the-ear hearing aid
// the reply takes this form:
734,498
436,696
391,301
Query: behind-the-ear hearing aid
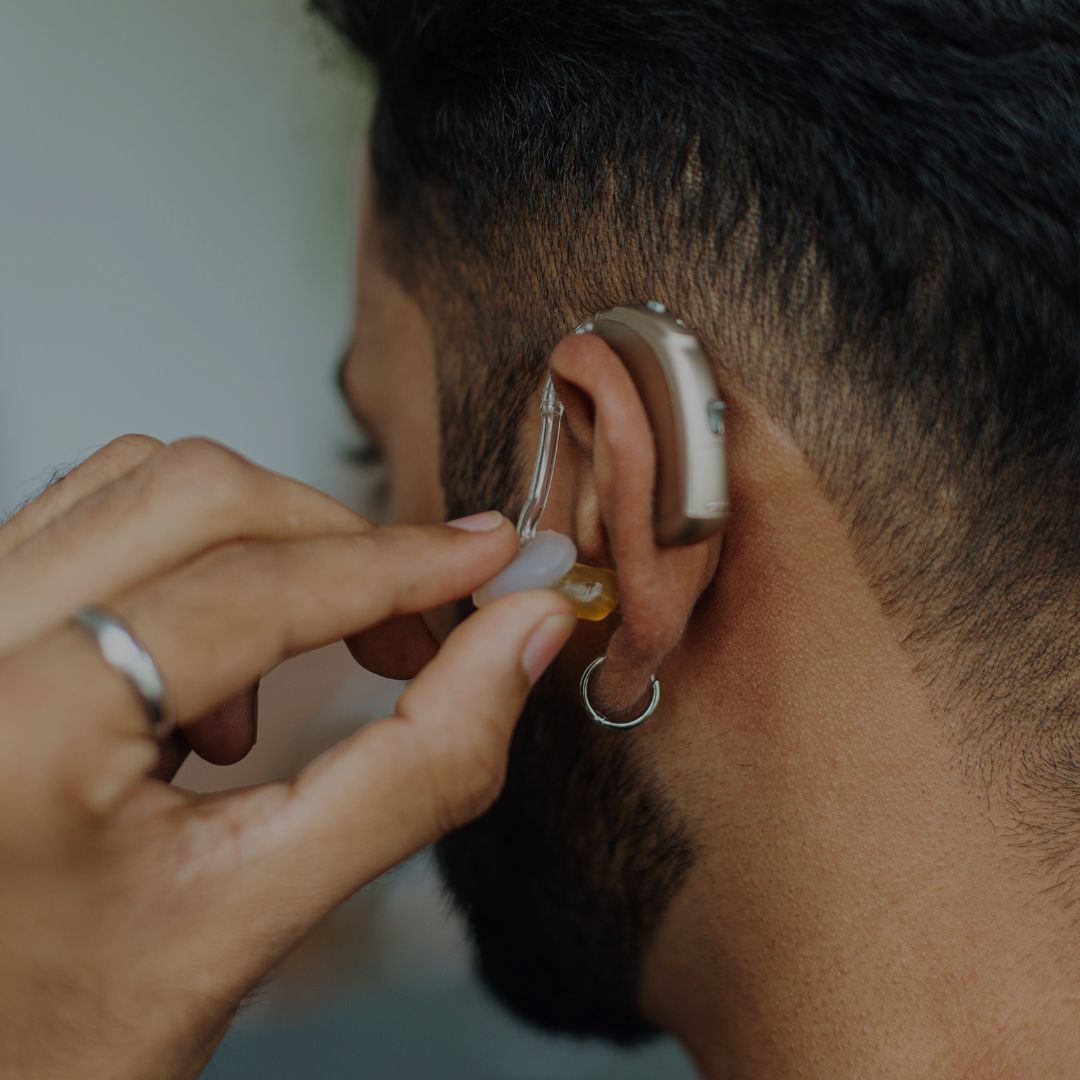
675,382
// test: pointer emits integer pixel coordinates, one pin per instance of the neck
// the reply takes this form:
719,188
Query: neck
802,958
855,910
886,999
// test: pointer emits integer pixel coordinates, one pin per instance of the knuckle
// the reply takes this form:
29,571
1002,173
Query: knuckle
465,766
403,592
468,780
198,453
213,471
131,449
386,565
245,562
406,553
232,581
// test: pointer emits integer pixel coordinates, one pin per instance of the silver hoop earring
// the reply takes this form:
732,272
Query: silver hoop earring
599,717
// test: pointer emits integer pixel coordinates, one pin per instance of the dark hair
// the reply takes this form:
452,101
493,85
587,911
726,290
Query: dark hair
869,210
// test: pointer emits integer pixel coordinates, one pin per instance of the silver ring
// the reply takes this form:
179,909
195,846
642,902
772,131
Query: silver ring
119,648
599,717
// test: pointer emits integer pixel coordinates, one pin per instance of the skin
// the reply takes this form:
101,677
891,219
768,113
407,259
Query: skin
855,908
135,917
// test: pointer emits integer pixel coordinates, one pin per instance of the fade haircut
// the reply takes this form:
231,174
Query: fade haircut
869,211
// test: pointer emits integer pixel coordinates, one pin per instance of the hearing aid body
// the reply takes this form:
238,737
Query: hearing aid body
676,385
674,380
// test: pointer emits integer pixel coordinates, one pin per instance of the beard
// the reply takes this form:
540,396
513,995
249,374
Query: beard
564,879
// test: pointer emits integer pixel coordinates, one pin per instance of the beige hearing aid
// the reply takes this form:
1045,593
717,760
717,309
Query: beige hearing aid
675,382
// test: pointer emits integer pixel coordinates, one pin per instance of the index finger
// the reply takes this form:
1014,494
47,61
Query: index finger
218,624
65,489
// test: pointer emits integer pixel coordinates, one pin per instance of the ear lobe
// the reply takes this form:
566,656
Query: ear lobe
658,586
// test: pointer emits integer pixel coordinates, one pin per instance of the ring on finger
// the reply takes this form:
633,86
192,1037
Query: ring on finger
121,649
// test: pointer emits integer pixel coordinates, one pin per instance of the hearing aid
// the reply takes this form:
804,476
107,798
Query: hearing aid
674,380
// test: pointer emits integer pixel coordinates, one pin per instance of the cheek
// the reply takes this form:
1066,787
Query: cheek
416,496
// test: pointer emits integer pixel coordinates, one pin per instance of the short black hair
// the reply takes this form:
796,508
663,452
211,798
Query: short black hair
869,209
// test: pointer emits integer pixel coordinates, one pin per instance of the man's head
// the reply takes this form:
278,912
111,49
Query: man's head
868,212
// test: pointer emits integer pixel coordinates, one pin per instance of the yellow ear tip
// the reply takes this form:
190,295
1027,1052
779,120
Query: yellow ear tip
591,589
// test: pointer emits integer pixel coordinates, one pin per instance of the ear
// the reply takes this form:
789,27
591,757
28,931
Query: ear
606,475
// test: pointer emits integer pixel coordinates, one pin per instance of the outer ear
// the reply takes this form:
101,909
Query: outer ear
611,515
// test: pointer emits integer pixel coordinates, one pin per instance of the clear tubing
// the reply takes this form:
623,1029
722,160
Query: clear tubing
548,563
551,412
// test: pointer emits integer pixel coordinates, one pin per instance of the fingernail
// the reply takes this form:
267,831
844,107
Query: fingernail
546,640
482,522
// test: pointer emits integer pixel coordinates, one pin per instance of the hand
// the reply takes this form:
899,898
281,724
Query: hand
134,917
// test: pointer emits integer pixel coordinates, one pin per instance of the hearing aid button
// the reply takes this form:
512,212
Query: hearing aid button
716,410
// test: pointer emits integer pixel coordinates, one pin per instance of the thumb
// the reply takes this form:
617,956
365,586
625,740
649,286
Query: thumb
399,783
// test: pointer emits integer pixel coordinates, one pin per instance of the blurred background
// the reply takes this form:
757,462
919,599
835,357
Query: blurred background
176,234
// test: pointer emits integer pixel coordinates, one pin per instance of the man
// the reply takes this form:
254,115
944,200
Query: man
848,842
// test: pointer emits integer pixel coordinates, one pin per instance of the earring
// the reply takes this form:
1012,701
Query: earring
599,717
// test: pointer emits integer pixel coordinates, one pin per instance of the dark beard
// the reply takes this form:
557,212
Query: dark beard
563,881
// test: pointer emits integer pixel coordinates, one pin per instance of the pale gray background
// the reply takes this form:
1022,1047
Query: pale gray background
176,230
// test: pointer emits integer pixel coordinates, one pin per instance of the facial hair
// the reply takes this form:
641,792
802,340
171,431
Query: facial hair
563,881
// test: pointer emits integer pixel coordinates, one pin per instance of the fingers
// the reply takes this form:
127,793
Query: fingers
172,753
102,467
228,618
188,497
226,734
401,647
219,623
397,650
399,783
